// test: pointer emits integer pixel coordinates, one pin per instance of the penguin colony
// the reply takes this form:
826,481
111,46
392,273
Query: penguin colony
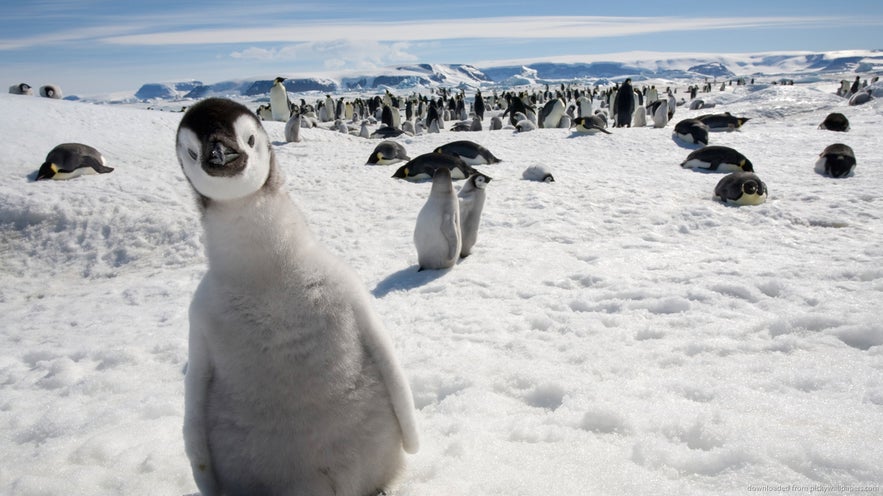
353,444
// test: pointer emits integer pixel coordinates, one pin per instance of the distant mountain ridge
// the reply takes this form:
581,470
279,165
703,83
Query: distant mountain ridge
643,67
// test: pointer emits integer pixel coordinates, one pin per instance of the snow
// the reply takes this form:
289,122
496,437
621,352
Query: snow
614,332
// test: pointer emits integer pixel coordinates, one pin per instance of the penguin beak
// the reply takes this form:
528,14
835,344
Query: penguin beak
47,171
220,155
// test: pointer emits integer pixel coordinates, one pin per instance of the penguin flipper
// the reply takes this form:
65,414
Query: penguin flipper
451,232
380,348
196,381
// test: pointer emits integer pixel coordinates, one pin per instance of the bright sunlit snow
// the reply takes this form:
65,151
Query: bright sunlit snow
614,332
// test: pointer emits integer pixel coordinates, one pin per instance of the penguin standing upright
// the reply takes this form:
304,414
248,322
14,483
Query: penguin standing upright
471,198
292,382
624,104
437,233
280,106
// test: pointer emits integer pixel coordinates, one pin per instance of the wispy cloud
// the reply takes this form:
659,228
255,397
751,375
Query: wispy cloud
557,27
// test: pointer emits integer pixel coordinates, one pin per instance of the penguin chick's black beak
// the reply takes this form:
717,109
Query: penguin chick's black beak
220,154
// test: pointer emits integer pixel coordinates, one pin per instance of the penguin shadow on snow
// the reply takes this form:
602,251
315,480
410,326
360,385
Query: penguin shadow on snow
407,279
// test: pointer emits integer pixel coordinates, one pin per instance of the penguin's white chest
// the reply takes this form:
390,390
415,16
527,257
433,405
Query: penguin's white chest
437,233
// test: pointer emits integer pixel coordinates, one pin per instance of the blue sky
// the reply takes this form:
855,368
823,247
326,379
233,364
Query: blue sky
95,47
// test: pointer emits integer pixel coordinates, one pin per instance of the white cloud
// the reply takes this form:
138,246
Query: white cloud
549,27
335,54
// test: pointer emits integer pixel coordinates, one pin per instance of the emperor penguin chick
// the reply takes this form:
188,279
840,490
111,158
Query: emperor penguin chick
471,199
292,383
437,234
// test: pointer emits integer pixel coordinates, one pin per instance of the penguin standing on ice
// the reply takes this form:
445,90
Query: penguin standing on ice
292,380
624,104
280,106
437,233
471,198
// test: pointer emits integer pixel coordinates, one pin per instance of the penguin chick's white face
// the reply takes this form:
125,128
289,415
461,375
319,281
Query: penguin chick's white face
223,159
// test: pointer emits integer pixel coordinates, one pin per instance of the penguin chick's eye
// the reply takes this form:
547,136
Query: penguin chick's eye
192,154
251,141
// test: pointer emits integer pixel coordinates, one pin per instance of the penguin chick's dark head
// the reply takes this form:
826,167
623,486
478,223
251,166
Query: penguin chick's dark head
223,150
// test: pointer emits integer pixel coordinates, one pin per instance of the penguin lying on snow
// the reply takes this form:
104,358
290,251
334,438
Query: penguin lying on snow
70,160
591,124
423,167
469,151
717,159
691,131
292,381
741,188
388,152
835,121
539,173
722,122
837,160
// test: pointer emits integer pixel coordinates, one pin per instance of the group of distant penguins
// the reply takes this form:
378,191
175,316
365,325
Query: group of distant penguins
338,414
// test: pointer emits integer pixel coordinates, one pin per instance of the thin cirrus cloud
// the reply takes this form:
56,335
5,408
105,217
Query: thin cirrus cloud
574,27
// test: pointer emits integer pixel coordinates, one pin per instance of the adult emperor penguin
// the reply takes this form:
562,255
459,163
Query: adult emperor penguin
835,121
837,160
691,131
741,188
471,198
70,160
717,159
660,113
437,233
280,106
624,104
591,124
471,152
722,122
388,152
550,114
292,382
423,167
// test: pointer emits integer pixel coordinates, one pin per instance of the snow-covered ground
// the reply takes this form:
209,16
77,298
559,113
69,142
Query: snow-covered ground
614,332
